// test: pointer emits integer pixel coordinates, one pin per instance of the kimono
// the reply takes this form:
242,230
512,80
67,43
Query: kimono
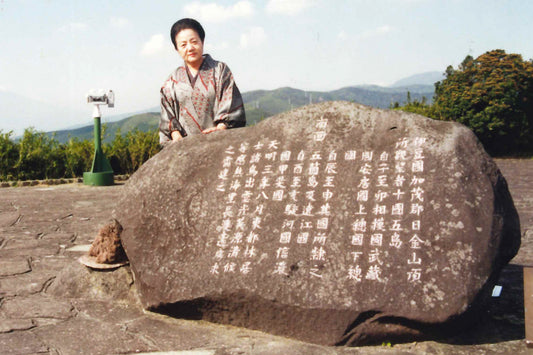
193,107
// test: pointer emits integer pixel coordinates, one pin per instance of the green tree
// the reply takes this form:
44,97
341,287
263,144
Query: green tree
126,153
40,157
142,146
420,107
493,95
9,152
118,154
78,157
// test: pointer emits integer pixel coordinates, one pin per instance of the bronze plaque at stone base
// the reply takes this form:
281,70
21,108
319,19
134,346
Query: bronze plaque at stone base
335,224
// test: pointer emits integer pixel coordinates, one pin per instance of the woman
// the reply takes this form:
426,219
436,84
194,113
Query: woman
201,96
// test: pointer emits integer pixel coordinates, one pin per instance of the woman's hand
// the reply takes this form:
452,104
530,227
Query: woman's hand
219,127
176,136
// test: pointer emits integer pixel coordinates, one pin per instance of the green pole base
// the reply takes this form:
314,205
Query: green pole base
104,178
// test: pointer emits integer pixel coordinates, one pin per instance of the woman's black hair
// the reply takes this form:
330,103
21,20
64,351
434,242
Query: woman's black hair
186,23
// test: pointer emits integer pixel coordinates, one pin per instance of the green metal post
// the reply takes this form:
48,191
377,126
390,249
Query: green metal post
101,173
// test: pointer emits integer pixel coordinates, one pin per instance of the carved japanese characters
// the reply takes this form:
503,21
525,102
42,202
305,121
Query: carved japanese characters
334,223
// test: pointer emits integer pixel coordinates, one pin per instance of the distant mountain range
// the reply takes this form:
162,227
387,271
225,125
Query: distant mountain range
261,104
17,111
143,122
427,78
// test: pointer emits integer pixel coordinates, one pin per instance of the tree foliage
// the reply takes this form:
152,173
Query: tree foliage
9,152
142,145
126,153
493,95
78,157
38,156
420,107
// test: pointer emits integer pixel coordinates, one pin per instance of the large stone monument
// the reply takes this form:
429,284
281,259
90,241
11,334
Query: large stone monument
335,224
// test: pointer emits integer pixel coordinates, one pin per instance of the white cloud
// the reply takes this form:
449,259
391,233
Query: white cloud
119,22
342,36
3,88
383,29
254,37
410,1
380,31
154,46
288,7
74,26
213,12
210,47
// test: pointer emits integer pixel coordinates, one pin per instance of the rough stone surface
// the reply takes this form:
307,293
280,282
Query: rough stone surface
499,330
8,219
9,325
106,338
14,266
26,284
334,224
72,282
22,343
107,247
27,307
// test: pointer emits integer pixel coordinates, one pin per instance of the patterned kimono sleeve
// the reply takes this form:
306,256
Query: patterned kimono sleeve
229,107
169,119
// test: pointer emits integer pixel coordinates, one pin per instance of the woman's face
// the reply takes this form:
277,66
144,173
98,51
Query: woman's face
190,47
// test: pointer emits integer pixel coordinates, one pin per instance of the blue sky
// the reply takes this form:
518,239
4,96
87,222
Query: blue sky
54,51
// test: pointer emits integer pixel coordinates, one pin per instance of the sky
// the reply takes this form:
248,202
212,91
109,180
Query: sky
55,51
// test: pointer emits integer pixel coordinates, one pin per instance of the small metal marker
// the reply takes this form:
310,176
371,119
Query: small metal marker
497,291
101,173
528,303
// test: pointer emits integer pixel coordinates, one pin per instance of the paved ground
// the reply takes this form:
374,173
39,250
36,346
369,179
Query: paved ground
50,304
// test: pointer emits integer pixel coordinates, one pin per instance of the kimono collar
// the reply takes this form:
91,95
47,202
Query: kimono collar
205,63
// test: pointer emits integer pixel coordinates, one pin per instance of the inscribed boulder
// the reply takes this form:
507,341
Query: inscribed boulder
334,223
